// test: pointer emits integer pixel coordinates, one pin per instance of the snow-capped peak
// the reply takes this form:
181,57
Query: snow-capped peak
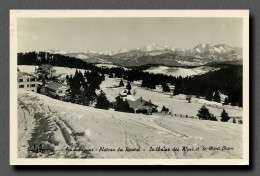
222,48
57,51
153,47
219,49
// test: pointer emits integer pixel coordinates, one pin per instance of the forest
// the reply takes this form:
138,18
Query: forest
228,79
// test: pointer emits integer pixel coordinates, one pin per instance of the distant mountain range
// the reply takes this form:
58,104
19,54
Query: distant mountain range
155,54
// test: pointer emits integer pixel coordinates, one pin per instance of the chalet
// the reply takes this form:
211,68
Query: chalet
142,106
124,95
42,87
58,91
26,81
171,87
64,81
45,71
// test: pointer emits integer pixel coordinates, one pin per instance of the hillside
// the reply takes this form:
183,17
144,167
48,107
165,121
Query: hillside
176,104
70,125
156,54
178,71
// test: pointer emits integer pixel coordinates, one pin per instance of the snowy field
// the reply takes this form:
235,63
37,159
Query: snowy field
176,104
110,66
173,71
178,71
60,71
62,125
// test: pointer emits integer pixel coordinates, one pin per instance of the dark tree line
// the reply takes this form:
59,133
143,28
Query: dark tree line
227,79
204,114
83,87
122,105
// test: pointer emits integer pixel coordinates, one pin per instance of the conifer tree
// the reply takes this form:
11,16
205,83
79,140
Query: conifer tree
224,116
213,118
122,106
128,87
129,92
226,101
176,89
216,96
163,108
208,95
102,101
166,88
204,114
85,74
121,83
111,75
126,107
151,85
82,97
144,83
234,120
118,104
103,76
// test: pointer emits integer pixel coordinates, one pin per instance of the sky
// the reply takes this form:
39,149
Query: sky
107,34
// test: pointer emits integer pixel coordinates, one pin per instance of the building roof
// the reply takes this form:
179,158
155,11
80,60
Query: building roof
140,104
54,85
130,97
21,74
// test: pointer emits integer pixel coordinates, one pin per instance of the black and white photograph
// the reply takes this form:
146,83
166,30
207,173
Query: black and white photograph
142,87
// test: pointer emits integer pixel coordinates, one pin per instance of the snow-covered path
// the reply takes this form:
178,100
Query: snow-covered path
103,130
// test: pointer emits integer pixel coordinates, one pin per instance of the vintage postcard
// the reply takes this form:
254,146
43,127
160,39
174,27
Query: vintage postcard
129,87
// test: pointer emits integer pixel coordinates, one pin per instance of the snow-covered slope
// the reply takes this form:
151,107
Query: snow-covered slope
179,71
109,66
57,51
62,125
176,104
153,47
60,71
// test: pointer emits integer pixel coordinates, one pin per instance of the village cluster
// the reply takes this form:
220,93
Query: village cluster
45,81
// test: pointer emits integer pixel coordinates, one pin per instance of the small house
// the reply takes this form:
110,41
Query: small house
142,106
26,81
171,87
124,95
45,71
58,91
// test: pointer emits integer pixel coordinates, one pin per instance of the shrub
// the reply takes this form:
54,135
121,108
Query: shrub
204,114
224,116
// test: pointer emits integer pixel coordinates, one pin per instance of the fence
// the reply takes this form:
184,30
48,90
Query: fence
179,115
184,116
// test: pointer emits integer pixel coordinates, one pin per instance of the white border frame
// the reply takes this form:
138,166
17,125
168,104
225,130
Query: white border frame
14,14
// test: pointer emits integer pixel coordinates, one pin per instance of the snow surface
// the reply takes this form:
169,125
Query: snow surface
176,104
110,66
60,71
153,47
178,71
73,125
